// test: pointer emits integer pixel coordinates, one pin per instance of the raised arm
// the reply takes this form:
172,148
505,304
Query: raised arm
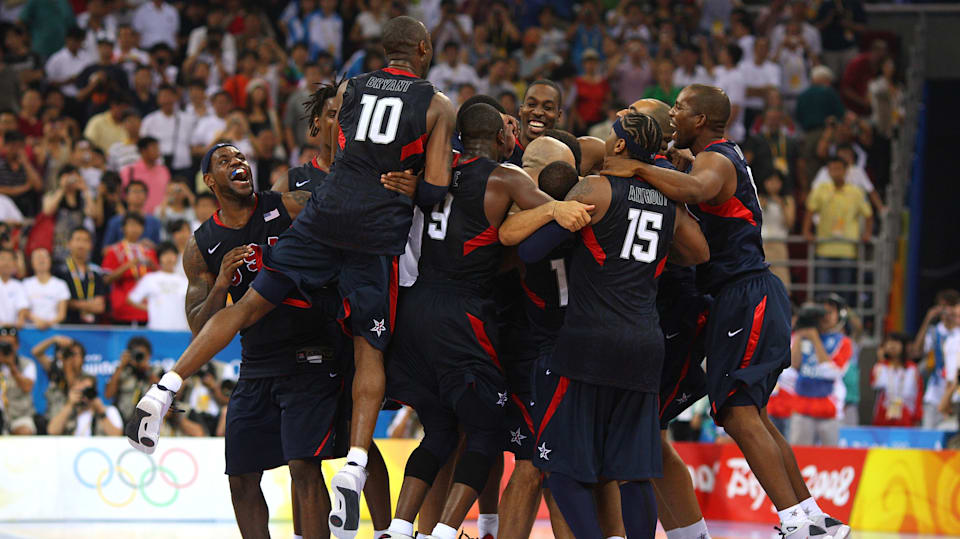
207,293
441,117
689,247
706,181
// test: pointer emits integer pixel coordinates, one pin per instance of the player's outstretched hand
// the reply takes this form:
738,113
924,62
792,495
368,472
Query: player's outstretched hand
143,429
622,167
404,182
681,159
572,215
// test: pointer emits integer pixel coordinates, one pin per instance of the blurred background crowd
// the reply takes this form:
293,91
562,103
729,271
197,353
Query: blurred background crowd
107,106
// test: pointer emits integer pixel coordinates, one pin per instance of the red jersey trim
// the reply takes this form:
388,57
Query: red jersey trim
216,214
558,394
534,298
414,148
732,208
590,240
398,71
660,266
477,325
316,164
718,141
487,237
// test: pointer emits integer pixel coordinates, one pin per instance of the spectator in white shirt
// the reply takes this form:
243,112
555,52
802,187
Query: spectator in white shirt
13,298
688,70
453,27
46,294
793,56
632,25
162,293
449,75
64,65
199,38
808,33
85,413
741,32
98,23
163,124
727,77
157,21
760,76
207,128
325,31
127,53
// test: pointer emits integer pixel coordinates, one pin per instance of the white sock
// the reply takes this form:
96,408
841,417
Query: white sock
442,531
358,456
171,381
295,536
487,524
697,530
401,526
792,515
616,537
811,508
378,533
421,536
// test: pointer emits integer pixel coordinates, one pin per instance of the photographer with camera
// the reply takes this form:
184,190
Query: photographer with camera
132,377
85,413
206,399
63,369
17,376
821,353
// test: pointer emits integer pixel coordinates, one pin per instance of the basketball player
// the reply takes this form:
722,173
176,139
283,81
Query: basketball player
747,336
389,120
322,111
453,377
539,111
599,424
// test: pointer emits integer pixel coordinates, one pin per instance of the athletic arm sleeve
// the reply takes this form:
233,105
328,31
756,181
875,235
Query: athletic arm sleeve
541,242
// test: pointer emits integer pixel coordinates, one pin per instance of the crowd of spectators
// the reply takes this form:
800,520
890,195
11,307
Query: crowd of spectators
106,107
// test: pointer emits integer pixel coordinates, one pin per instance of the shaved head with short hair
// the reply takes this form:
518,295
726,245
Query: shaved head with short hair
710,101
542,151
402,35
660,112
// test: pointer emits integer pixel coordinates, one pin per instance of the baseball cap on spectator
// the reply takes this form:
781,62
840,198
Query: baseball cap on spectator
821,72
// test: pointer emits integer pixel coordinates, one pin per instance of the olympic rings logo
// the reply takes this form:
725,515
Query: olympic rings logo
147,471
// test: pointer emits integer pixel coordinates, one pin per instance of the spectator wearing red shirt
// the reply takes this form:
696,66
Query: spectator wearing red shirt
150,170
28,121
125,263
899,401
236,85
858,74
593,91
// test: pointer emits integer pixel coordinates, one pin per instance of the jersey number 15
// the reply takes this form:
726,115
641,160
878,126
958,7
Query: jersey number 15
644,226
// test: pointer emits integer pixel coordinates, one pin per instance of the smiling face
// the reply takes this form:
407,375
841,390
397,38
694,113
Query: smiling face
224,162
686,121
539,112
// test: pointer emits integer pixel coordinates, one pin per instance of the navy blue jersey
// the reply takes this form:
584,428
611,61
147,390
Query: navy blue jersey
270,344
459,243
612,312
516,158
546,295
383,128
676,281
307,177
732,229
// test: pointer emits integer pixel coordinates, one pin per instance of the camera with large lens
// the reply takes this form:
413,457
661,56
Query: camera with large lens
809,315
90,393
6,348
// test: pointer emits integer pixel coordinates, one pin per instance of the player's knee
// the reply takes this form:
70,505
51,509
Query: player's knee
244,485
306,475
423,464
473,469
526,473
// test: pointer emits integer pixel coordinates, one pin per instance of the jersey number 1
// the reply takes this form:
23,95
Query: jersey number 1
644,225
371,123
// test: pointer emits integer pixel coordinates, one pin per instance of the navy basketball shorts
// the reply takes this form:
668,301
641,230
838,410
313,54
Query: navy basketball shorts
747,341
443,361
592,433
518,427
683,381
271,421
367,283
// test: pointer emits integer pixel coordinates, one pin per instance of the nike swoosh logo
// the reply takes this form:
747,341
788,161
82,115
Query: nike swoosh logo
333,375
732,333
214,248
672,335
304,182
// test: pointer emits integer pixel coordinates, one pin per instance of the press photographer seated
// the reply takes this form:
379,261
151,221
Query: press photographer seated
132,377
85,413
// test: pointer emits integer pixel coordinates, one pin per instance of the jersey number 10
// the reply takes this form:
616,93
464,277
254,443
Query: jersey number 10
645,225
372,125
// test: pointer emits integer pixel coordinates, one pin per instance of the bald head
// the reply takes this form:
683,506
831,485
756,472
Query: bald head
542,151
593,151
660,112
710,101
402,35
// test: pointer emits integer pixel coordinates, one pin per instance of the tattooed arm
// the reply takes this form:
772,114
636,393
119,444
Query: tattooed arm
295,201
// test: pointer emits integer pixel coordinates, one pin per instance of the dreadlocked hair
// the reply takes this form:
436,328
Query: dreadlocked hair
313,106
644,131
